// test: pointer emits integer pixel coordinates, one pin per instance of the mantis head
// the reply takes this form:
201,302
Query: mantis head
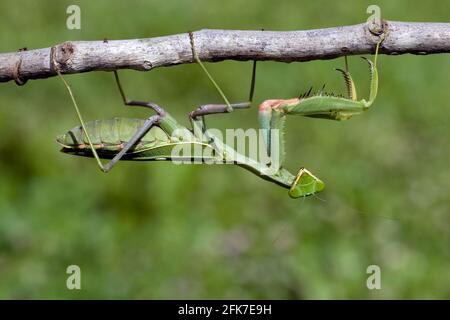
305,184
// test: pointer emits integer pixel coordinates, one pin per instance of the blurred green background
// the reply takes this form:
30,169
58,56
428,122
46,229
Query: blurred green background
156,230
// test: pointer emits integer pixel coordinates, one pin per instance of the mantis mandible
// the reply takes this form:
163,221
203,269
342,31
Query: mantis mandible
156,138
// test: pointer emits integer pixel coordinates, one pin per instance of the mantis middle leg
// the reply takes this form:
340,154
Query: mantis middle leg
197,116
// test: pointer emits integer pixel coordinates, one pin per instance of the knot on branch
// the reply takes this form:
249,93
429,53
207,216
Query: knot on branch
16,70
378,30
61,55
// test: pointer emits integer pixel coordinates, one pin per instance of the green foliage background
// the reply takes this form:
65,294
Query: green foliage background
156,230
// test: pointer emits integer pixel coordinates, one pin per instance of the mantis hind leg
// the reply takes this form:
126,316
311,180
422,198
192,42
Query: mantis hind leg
162,118
136,137
80,118
149,123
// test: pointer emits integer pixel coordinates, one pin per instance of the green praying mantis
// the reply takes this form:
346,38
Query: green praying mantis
162,138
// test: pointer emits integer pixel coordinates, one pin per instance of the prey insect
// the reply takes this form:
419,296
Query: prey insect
156,138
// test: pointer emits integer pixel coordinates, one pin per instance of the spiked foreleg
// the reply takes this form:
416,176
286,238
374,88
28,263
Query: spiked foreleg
373,81
271,121
349,84
264,118
325,107
373,76
276,151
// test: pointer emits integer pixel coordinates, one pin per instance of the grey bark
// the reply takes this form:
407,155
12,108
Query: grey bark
219,45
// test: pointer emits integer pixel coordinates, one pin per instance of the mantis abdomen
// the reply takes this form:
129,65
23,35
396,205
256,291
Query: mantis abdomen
109,137
111,134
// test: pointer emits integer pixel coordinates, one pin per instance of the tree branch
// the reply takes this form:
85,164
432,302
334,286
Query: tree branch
218,45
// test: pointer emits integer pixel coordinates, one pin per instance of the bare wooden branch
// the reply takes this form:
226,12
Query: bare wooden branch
218,45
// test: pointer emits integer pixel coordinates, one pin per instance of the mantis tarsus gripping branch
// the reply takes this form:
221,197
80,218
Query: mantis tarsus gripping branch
160,136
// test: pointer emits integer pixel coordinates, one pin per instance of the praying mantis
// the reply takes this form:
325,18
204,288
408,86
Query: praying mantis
160,137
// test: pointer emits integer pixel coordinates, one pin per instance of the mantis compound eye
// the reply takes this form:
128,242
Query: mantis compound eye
305,184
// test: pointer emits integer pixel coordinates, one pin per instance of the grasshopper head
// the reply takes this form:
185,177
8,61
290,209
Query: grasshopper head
305,184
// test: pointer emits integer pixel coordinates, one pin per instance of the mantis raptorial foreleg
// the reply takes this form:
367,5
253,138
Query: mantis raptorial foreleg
350,85
321,105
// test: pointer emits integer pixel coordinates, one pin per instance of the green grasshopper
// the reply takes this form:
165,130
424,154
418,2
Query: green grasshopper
160,137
